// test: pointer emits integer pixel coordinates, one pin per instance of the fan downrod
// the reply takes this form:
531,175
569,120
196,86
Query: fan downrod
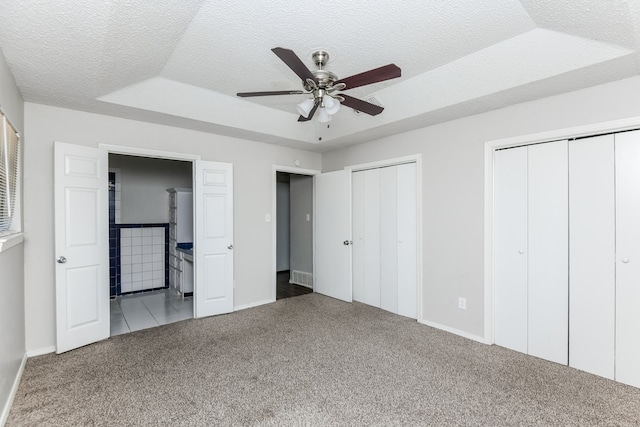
324,78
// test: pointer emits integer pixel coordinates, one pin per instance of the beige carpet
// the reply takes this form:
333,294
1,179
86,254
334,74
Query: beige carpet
310,361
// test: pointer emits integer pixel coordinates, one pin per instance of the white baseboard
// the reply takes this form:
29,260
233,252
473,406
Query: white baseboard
41,351
253,304
12,394
464,334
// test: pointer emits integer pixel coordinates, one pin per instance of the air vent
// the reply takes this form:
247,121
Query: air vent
372,100
301,278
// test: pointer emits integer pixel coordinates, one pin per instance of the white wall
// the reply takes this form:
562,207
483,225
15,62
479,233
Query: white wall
144,182
301,193
282,218
253,168
452,186
12,338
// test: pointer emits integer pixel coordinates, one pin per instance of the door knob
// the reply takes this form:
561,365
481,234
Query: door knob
625,260
347,242
230,247
61,260
521,251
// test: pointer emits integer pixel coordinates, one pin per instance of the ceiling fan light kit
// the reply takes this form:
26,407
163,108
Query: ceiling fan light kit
321,85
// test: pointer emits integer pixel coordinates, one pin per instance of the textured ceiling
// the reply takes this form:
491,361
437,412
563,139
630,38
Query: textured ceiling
180,62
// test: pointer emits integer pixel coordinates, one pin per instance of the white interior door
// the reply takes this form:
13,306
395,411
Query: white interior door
213,238
548,237
592,255
82,246
333,235
627,351
510,282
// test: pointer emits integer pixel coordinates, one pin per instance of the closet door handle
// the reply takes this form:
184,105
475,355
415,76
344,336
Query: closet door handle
230,247
625,260
61,260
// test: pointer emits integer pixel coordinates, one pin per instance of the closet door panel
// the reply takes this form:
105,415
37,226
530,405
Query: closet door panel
510,255
548,240
358,252
407,209
627,156
372,237
389,239
592,255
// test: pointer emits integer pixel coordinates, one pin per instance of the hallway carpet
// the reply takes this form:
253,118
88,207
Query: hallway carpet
310,361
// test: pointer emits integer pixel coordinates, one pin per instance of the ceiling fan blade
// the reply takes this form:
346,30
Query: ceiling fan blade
274,92
360,105
291,59
376,75
311,113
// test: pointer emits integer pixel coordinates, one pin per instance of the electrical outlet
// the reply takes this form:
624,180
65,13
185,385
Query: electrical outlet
462,303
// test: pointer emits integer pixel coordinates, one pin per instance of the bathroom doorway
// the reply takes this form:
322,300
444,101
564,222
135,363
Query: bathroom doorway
150,268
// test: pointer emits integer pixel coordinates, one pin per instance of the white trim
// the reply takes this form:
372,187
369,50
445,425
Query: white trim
41,351
145,152
454,331
567,133
516,141
252,304
417,159
385,163
10,240
12,394
274,217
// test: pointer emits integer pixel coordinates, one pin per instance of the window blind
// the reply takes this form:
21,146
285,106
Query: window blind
9,160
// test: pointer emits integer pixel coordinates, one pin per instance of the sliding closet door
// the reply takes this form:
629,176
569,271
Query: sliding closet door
407,212
592,255
389,239
510,252
548,240
627,350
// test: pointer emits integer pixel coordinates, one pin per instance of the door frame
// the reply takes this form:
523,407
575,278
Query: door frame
489,149
155,154
417,159
274,218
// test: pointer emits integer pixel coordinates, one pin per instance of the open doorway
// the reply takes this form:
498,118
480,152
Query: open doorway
150,242
294,234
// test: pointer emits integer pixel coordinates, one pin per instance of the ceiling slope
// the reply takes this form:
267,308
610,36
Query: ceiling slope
181,62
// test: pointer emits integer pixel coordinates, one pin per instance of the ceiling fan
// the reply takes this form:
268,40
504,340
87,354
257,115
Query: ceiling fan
323,84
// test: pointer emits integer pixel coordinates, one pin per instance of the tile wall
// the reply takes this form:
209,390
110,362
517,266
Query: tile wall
143,257
138,253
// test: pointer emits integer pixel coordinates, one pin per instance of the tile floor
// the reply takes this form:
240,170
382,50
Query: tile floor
148,309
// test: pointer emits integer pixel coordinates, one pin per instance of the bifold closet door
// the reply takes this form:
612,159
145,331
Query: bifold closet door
372,237
389,238
357,227
531,245
548,247
591,255
407,211
627,295
510,251
385,238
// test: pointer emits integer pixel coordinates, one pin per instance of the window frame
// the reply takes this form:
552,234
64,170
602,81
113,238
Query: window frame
12,235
